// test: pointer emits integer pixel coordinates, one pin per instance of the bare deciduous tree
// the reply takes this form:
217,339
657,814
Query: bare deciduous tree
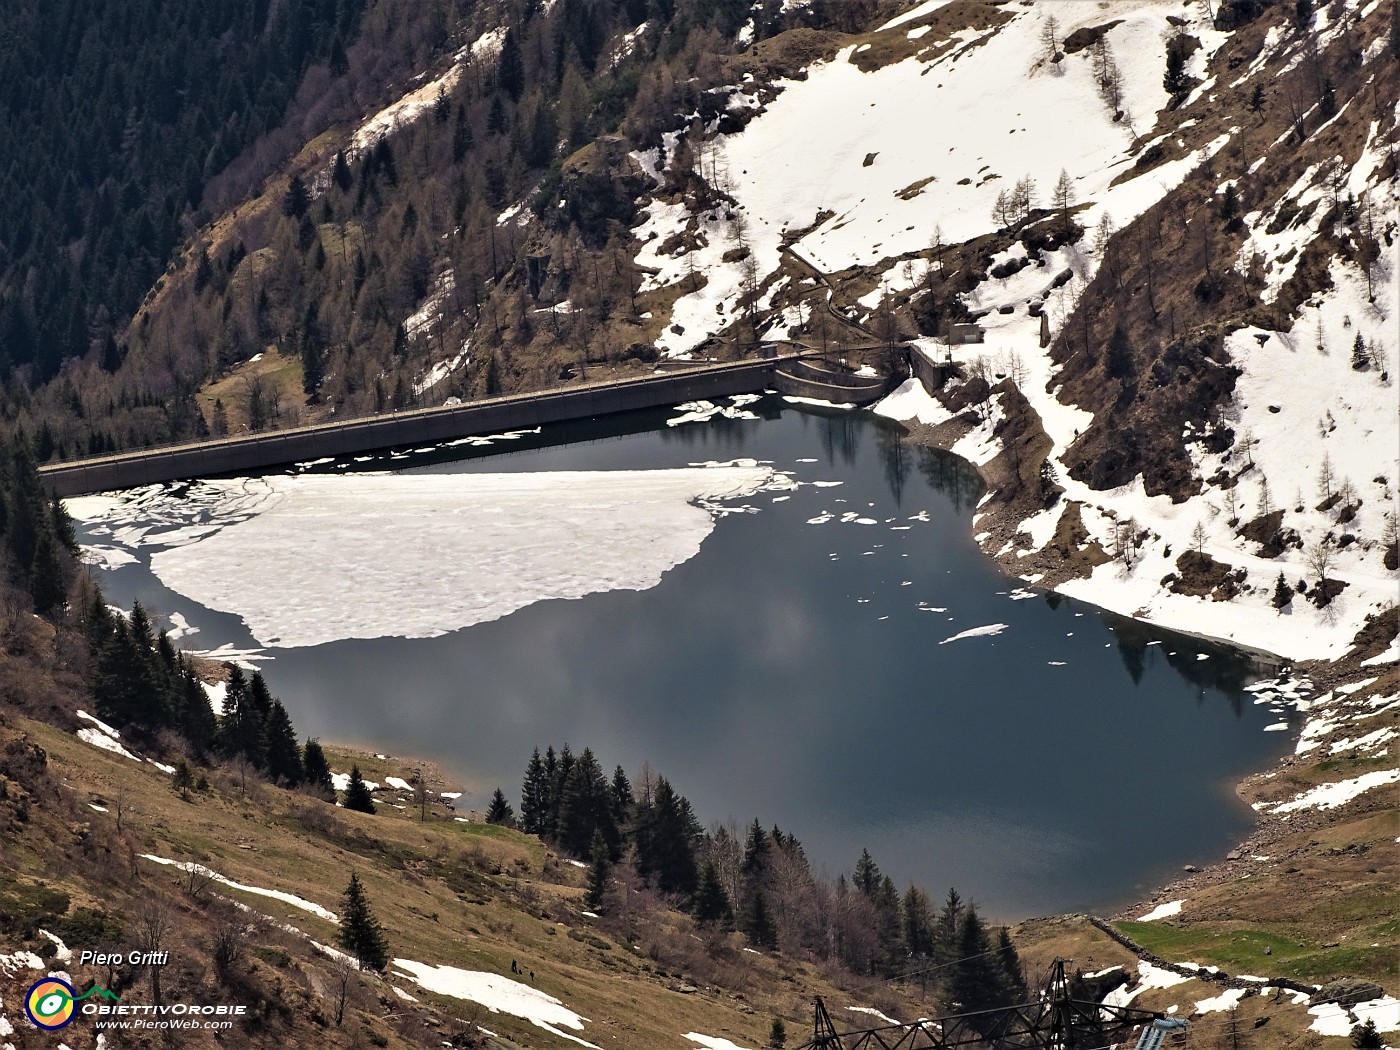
1050,38
1319,560
1062,197
229,941
1325,477
154,925
344,974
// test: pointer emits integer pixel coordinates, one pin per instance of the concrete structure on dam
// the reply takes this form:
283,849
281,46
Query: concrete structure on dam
244,454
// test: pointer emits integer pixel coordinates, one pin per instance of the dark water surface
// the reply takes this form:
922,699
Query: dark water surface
786,673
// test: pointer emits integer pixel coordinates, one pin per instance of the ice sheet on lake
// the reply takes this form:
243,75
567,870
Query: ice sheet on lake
419,555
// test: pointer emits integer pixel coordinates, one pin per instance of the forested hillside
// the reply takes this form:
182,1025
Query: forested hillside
113,119
494,111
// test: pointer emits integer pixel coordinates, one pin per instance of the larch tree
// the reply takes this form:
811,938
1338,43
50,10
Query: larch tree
1062,198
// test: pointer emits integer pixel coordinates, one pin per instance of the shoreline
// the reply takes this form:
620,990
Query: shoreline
997,517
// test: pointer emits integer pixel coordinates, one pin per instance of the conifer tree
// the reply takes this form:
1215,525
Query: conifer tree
585,807
116,680
866,876
666,835
500,811
532,796
311,370
241,727
284,763
297,198
949,923
918,923
711,902
260,695
1256,101
888,928
112,353
755,853
461,136
47,586
62,525
1120,362
1327,100
1013,977
509,68
1174,81
339,61
1367,1036
1230,205
757,922
195,716
622,800
360,932
315,766
598,871
340,174
1283,594
976,981
357,793
562,768
493,376
1360,359
127,686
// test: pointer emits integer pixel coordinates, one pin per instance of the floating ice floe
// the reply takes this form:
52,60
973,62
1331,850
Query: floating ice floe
985,631
702,411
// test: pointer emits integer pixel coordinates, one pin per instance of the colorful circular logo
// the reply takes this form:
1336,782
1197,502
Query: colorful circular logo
49,1003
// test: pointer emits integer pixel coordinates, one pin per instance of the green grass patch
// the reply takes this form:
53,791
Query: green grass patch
1252,951
1329,963
1262,953
1348,765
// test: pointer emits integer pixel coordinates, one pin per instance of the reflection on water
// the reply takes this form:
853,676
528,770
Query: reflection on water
794,671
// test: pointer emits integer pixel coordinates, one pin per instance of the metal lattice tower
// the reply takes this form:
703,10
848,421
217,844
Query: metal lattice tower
1057,1021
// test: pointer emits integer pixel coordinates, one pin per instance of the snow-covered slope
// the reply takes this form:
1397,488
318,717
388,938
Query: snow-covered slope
863,168
922,145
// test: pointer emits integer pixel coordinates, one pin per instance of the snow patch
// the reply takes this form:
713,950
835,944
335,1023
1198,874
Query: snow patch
1162,911
498,994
